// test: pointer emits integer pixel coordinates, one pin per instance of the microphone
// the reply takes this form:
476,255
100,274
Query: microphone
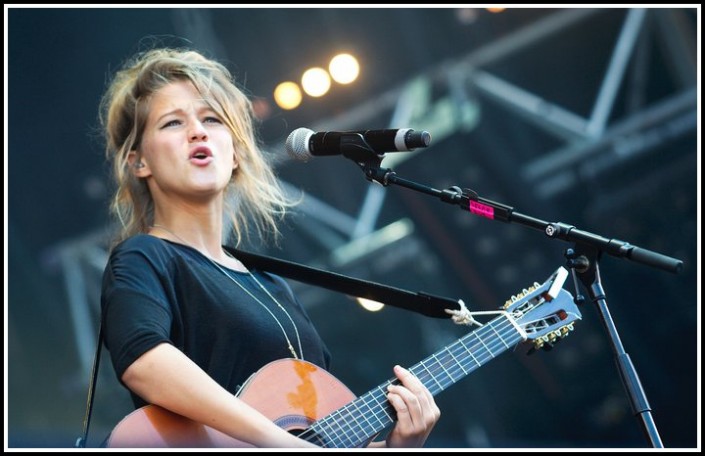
303,143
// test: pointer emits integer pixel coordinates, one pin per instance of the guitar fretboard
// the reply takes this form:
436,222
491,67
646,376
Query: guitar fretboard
359,421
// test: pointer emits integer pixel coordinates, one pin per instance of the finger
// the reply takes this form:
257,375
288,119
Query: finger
407,405
406,425
413,384
407,378
429,412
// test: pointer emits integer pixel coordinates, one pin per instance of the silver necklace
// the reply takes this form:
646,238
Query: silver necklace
215,263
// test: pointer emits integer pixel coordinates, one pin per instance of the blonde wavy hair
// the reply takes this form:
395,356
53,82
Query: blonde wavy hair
254,197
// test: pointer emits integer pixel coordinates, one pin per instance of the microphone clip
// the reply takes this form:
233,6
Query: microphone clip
354,147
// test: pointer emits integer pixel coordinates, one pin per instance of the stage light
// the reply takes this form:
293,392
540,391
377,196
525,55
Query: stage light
368,304
344,68
315,82
288,95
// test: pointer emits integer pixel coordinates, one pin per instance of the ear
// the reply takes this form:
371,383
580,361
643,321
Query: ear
137,165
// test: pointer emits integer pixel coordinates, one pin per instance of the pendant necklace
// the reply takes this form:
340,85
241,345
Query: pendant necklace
215,263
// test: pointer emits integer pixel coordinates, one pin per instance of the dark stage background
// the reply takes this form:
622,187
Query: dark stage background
576,115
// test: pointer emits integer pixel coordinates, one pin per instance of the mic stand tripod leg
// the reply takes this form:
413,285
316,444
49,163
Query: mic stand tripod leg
584,261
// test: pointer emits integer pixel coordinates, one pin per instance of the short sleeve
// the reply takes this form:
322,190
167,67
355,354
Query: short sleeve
135,305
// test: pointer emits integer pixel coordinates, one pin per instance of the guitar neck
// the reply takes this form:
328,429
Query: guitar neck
358,422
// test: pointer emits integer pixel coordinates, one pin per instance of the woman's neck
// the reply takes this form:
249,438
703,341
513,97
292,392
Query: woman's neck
197,225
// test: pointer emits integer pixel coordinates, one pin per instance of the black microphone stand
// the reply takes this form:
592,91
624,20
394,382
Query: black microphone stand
582,259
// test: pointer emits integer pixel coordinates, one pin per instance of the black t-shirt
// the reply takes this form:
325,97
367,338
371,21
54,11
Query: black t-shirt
158,291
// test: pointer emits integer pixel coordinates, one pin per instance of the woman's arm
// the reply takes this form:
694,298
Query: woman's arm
166,377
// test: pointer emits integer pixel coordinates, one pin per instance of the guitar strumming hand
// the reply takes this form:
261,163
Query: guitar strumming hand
309,402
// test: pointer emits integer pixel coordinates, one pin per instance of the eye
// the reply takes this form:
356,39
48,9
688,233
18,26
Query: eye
212,119
172,123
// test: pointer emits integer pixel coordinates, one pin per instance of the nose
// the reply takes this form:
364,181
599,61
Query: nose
197,132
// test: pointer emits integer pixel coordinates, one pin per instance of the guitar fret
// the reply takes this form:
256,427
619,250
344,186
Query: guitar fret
364,414
346,436
443,367
500,337
477,363
369,410
469,350
320,428
344,426
440,362
340,423
457,362
431,374
445,370
375,405
341,426
336,427
385,410
483,343
349,435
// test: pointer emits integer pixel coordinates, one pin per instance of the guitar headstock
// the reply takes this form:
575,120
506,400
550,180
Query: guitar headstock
545,312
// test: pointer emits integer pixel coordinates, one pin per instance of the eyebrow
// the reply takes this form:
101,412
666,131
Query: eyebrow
205,107
175,111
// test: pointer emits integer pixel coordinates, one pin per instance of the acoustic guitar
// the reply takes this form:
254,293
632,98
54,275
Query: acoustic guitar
311,403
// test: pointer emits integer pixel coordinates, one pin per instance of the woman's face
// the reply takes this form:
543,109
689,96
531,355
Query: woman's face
186,150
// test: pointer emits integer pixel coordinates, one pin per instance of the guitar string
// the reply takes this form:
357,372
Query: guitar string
463,357
346,410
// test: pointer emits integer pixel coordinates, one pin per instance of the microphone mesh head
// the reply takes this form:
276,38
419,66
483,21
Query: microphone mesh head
297,144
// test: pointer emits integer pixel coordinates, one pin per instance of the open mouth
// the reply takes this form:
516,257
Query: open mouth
201,155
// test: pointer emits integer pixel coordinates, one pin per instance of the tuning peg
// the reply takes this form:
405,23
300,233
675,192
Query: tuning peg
540,343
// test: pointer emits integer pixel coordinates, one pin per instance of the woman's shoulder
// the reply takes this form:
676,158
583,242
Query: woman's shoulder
144,250
140,242
144,247
161,253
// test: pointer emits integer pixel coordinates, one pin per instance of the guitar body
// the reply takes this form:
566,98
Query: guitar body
291,393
